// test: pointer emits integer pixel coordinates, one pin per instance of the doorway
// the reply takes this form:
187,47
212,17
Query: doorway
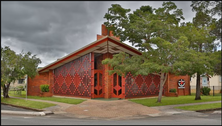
117,91
98,84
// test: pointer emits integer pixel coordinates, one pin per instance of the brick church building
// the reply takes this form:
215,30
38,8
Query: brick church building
81,74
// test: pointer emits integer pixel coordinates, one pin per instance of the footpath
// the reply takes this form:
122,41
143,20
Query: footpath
98,109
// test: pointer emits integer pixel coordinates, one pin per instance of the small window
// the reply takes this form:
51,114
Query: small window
20,81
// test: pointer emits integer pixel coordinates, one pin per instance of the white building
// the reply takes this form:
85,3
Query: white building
19,82
213,82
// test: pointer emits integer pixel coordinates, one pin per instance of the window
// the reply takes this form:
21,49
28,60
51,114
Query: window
20,81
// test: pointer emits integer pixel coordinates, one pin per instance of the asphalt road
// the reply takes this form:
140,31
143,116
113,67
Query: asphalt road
190,118
177,119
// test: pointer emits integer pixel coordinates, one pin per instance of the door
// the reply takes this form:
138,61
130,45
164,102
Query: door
98,84
117,91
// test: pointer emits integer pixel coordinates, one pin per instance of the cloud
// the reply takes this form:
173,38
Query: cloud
53,29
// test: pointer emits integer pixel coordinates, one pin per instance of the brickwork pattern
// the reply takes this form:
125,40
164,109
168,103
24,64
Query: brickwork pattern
142,86
74,78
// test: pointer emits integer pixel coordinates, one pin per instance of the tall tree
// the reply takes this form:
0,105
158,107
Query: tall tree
156,32
15,66
216,61
205,11
207,30
201,42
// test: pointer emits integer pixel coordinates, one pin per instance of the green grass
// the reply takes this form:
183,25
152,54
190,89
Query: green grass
55,99
26,103
174,100
211,94
14,93
200,107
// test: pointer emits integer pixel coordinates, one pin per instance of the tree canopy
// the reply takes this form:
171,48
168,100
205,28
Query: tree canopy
167,44
15,66
207,30
157,33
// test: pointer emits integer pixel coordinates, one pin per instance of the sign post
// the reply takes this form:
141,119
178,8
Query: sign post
26,86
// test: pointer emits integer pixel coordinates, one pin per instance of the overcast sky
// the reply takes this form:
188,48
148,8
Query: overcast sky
53,29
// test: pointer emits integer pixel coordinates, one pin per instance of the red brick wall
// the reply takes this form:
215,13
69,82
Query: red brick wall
111,34
92,75
173,83
42,78
104,32
99,37
107,78
51,81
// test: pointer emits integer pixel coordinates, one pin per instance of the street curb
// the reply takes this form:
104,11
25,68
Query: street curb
205,110
26,113
38,110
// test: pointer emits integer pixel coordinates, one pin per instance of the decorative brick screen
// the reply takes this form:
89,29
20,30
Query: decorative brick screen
141,86
74,78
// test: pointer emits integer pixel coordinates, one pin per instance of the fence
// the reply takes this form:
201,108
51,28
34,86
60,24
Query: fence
214,89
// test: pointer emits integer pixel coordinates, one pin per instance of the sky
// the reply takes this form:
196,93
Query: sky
54,29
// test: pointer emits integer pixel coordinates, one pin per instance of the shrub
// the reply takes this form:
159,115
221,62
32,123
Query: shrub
205,90
173,90
44,88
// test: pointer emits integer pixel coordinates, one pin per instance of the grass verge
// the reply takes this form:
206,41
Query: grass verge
200,107
55,99
150,102
26,103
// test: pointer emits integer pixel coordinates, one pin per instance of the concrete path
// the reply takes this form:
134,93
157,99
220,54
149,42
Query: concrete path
116,109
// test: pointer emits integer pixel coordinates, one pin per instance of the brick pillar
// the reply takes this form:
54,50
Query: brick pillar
92,75
107,78
51,81
167,85
105,32
107,83
123,87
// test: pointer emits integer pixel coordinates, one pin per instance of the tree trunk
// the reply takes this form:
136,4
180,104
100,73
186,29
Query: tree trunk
162,82
198,87
5,90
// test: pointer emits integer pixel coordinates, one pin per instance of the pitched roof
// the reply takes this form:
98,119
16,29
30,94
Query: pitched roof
103,45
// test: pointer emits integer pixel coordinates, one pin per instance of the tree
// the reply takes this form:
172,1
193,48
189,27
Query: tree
205,11
202,35
201,42
216,61
14,66
156,32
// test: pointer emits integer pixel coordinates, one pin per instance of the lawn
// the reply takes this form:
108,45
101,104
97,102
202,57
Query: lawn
56,99
150,102
26,103
200,107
